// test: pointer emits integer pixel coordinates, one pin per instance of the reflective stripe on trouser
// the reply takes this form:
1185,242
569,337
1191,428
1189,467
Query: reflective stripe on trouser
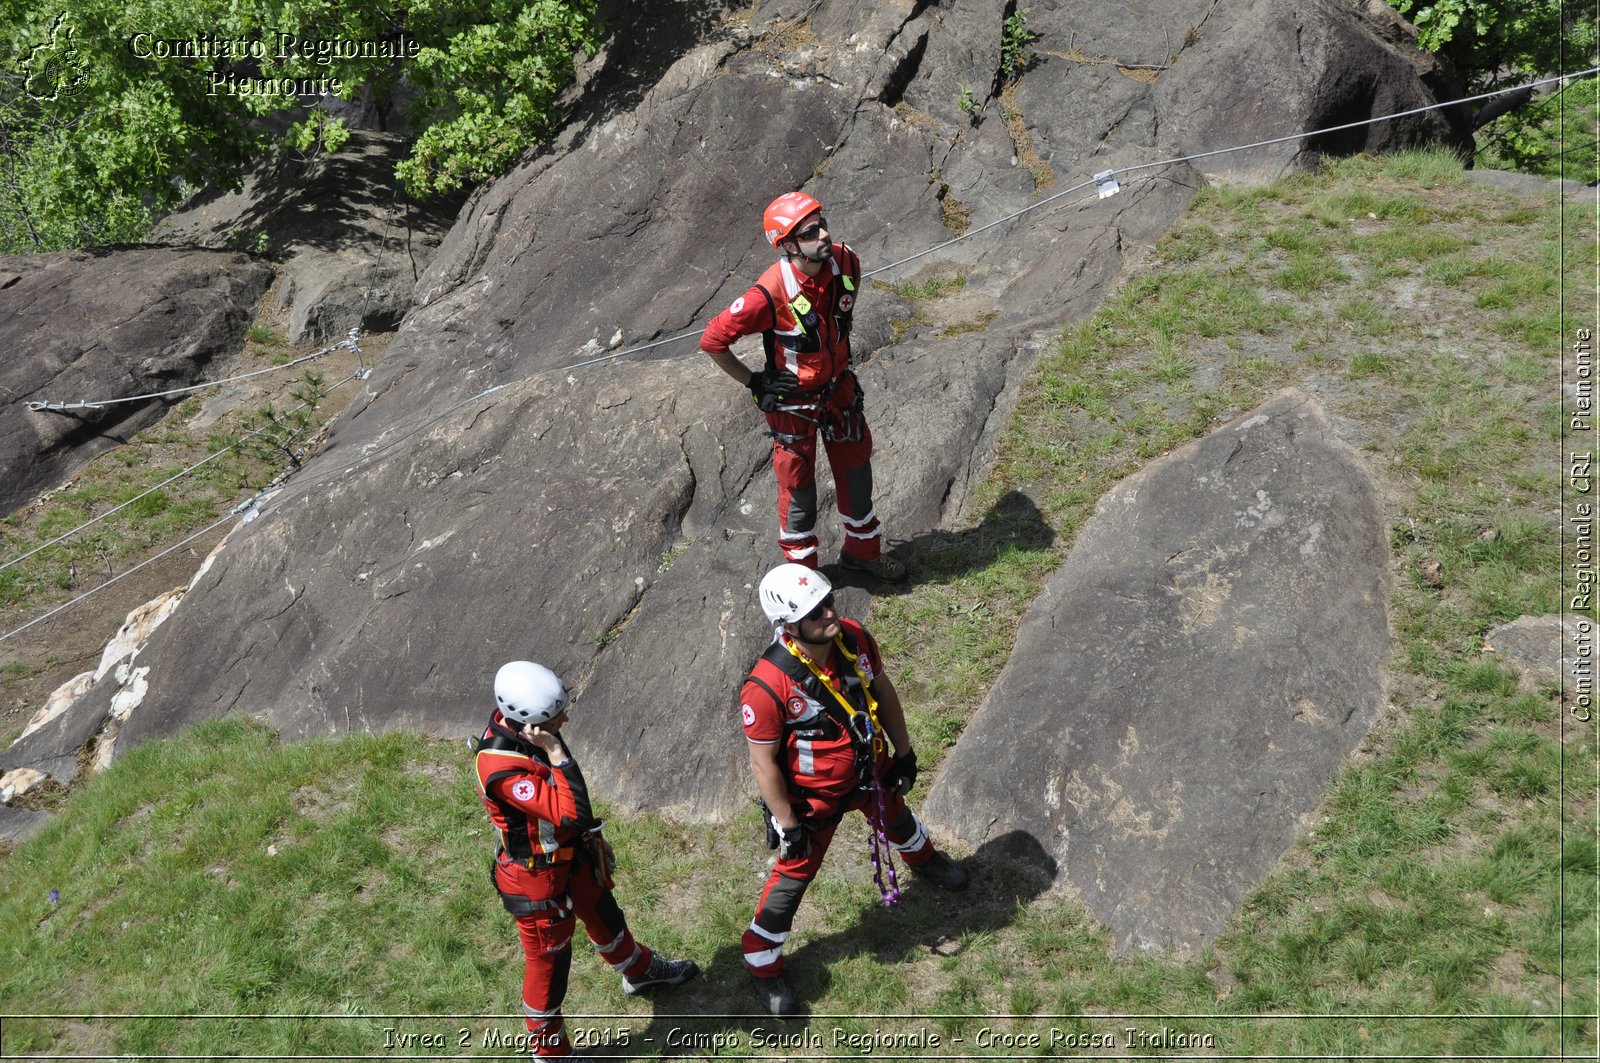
547,961
547,942
762,944
605,924
794,460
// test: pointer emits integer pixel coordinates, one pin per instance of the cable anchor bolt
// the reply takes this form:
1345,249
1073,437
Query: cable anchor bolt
1106,181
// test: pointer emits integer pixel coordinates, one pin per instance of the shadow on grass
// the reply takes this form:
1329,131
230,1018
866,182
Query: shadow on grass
718,1013
1012,523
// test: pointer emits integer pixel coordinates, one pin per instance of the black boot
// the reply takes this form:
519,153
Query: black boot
942,872
661,971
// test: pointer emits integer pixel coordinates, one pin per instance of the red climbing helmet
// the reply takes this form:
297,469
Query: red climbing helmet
784,213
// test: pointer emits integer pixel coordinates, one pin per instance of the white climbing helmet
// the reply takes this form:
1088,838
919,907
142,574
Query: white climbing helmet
791,591
528,693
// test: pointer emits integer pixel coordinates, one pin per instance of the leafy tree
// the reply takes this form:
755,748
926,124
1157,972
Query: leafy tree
92,140
1553,137
1495,43
112,112
1500,44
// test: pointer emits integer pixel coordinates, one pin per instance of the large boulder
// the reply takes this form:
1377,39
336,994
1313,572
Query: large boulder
1312,65
512,482
86,326
1190,679
351,242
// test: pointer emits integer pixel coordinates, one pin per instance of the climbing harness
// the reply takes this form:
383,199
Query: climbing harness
862,724
847,426
866,739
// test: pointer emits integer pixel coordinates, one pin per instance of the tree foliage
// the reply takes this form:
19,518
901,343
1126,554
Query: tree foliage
1553,137
1504,42
1496,43
111,112
1501,44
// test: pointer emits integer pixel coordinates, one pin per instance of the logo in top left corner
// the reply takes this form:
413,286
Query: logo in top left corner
56,68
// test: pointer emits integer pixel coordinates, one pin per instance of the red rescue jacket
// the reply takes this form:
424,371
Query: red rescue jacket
538,811
804,321
821,757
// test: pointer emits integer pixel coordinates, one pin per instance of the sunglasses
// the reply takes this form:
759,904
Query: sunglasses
812,231
816,613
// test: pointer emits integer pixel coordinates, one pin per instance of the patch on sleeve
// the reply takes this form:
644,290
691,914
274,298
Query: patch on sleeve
522,790
738,305
748,714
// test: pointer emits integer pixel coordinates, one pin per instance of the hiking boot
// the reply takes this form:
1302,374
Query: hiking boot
777,997
942,872
883,566
661,971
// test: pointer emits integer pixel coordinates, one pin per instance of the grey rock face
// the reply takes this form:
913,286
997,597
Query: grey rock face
54,748
95,325
611,520
1313,64
351,242
1190,679
17,825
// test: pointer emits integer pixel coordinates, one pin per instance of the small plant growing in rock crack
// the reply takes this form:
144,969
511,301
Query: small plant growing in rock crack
1014,41
277,437
968,103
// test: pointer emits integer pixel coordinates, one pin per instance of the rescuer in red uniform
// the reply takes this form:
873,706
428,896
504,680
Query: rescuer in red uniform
552,863
802,308
819,716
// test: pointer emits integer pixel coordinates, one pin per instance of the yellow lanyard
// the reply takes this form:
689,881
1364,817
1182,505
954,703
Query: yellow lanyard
828,681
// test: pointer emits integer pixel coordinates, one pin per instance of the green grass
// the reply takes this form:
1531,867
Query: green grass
928,288
120,490
1451,870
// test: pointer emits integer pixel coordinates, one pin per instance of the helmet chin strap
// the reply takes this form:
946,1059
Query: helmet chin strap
824,252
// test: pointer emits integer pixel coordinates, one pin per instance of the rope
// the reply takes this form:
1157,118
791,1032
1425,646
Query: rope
249,508
362,369
240,508
57,407
1105,179
880,841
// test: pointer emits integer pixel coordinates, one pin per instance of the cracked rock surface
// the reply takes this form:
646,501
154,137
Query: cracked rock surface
84,326
486,498
1190,679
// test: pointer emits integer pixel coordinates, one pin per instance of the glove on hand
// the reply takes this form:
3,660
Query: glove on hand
794,843
769,388
902,773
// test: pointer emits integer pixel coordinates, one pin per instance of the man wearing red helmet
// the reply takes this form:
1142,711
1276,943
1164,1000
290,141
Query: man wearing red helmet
802,307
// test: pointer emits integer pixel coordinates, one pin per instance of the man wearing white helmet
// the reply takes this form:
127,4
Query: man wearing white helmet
819,715
552,863
802,307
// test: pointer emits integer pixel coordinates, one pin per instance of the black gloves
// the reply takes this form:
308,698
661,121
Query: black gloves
794,843
770,388
902,773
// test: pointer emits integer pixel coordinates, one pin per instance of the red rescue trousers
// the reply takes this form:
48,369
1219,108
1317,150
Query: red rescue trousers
547,939
762,944
848,442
